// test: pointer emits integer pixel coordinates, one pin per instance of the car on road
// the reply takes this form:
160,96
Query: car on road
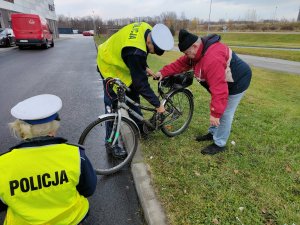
7,37
88,33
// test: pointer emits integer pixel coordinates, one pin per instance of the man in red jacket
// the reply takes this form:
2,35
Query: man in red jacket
222,73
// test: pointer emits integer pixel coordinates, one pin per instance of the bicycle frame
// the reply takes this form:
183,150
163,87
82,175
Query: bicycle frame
123,105
118,117
122,99
116,125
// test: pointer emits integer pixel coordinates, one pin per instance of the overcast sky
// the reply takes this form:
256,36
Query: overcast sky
220,9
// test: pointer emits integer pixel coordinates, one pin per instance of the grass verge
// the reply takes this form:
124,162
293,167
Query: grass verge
262,39
271,53
256,180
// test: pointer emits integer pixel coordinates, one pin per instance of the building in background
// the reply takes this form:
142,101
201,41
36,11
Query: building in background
44,8
298,19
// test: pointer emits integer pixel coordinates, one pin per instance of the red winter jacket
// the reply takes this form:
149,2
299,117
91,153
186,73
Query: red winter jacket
210,69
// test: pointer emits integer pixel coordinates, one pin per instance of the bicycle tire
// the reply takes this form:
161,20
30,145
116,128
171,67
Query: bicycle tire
177,122
93,139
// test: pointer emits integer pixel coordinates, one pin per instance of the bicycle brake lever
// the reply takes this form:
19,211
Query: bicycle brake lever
122,85
127,89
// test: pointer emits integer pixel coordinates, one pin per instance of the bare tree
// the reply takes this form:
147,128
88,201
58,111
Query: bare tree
183,22
170,19
251,15
194,24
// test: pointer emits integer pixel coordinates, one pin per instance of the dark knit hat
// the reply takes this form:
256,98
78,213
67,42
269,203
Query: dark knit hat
186,39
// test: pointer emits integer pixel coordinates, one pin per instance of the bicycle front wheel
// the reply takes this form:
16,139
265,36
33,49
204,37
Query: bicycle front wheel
179,112
99,150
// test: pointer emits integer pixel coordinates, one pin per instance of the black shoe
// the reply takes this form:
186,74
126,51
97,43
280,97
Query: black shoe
144,136
212,149
119,152
116,151
108,148
206,137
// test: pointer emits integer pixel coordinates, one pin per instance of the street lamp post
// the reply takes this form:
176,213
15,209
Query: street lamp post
275,14
209,17
95,31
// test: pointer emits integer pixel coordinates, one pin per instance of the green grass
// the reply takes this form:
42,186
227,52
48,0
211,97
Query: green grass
99,39
271,53
262,39
255,181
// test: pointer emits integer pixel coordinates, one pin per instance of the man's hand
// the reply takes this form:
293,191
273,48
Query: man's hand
214,121
159,76
150,72
160,109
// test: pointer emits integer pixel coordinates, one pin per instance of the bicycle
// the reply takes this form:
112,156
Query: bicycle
124,132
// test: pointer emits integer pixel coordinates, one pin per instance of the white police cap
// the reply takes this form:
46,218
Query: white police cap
162,37
38,109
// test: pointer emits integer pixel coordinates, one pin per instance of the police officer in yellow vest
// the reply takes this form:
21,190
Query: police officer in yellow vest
44,180
124,56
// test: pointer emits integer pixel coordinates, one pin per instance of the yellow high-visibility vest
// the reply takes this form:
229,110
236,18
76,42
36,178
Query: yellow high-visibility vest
39,185
109,59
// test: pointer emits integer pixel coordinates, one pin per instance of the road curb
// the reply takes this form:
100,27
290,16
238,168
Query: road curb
153,210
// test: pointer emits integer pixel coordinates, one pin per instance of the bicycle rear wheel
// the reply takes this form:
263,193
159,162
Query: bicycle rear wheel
179,107
94,140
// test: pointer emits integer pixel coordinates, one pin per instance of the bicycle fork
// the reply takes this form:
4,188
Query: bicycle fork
115,133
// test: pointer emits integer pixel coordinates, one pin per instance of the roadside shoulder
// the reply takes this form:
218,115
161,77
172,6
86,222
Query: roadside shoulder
153,210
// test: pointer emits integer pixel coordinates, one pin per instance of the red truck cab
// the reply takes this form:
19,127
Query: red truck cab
31,30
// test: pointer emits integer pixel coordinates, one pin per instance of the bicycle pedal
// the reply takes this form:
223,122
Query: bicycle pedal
160,118
169,127
146,129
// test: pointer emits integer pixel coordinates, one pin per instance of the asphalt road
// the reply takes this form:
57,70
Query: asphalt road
69,71
272,64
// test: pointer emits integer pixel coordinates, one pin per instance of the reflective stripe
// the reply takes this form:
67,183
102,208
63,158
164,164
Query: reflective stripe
228,73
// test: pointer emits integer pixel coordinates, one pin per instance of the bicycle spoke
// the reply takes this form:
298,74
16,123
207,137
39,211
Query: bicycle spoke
103,155
180,108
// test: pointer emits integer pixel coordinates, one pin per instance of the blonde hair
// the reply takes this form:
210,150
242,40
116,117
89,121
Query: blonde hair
23,130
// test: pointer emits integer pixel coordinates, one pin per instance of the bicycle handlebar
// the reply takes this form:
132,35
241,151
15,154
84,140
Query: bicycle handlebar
177,81
119,83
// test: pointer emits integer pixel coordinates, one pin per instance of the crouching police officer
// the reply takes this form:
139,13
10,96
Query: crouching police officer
44,179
